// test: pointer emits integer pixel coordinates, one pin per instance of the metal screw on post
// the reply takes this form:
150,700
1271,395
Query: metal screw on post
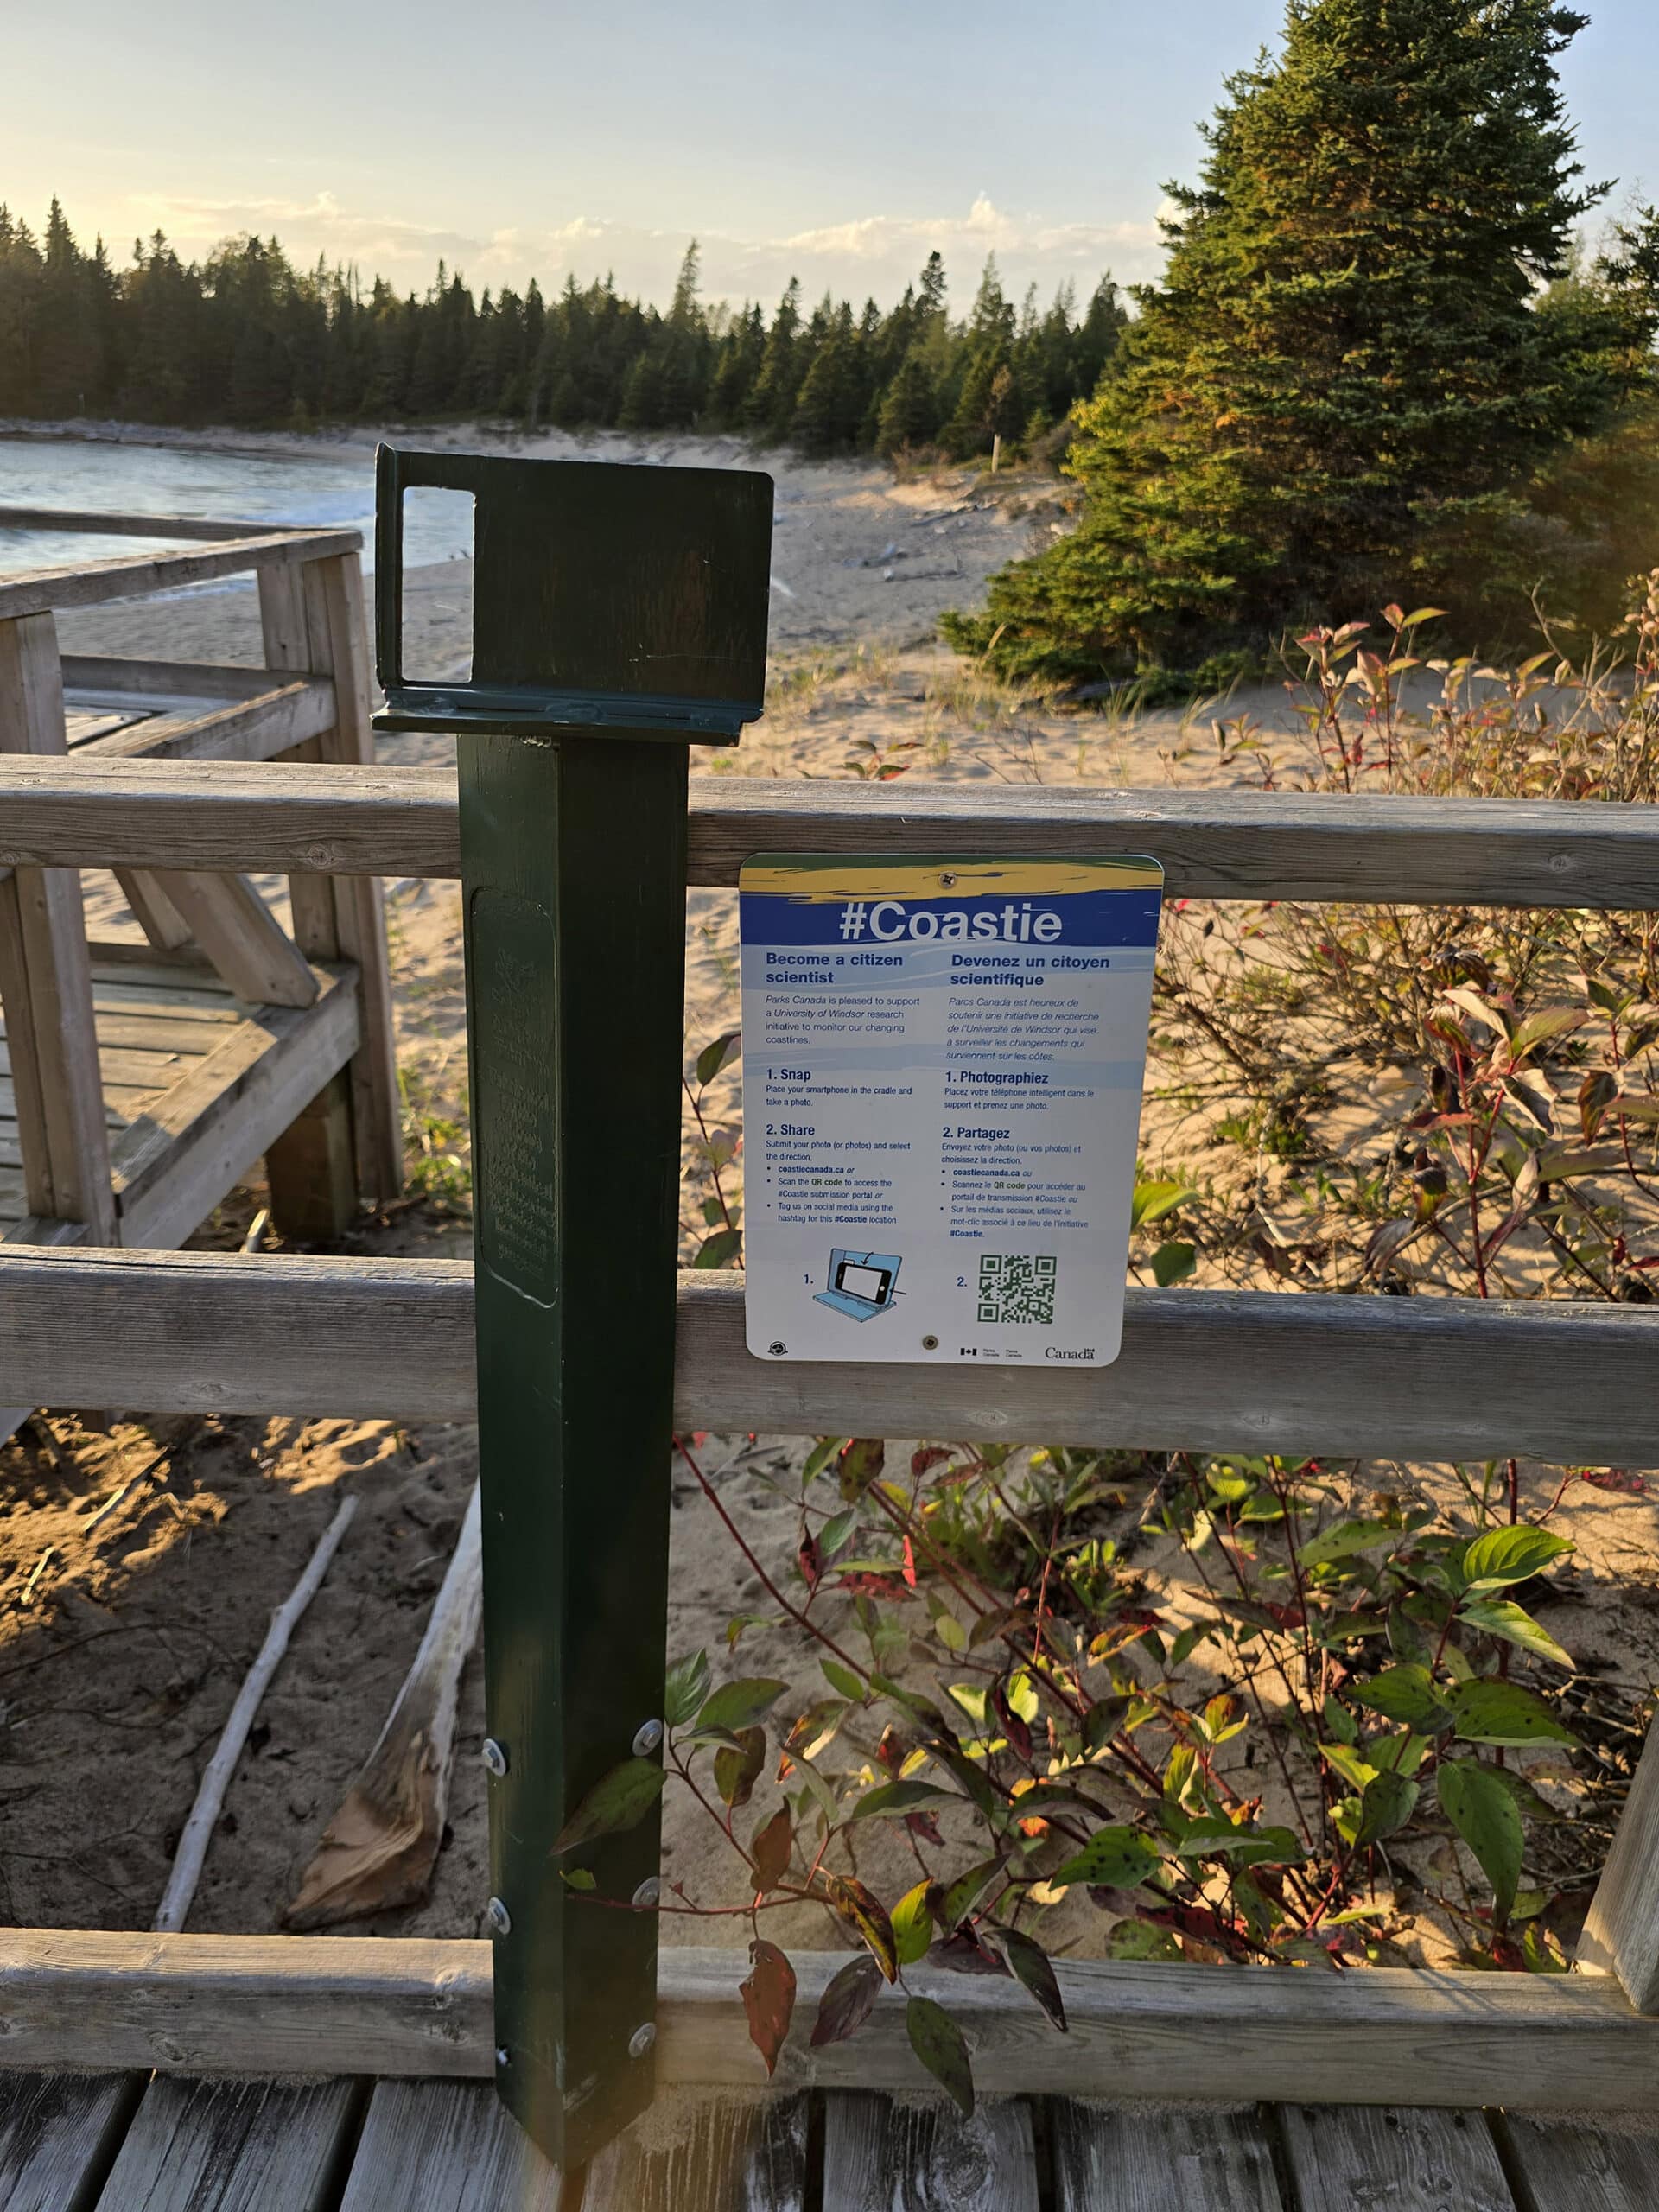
499,1917
501,2058
646,1737
494,1757
648,1893
642,2039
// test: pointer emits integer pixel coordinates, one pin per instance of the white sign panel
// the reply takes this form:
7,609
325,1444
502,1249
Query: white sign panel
942,1070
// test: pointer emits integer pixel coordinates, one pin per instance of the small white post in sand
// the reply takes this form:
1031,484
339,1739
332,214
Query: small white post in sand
170,1914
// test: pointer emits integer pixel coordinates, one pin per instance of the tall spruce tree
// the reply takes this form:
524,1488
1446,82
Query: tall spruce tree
1344,382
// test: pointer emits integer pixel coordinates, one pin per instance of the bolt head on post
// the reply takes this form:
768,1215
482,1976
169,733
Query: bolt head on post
647,1737
494,1757
642,2040
499,1917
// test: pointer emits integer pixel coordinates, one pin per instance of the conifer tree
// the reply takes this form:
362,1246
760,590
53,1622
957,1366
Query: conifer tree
1344,382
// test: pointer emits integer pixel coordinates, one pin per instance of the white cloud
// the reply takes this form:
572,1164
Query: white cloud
868,253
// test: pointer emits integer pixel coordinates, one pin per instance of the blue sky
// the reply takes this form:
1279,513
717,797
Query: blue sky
840,143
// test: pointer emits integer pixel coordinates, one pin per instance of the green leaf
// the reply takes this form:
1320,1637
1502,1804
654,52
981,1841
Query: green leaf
1505,1555
861,1460
577,1877
819,1458
1503,1713
1349,1764
1539,1028
835,1531
843,1679
1152,1201
1388,1801
737,1768
685,1689
618,1802
1502,1617
1172,1262
1347,1539
965,1892
713,1058
939,2042
1256,1846
913,1921
1021,1695
893,1800
1028,1962
720,1249
1474,1799
1114,1857
1405,1692
739,1705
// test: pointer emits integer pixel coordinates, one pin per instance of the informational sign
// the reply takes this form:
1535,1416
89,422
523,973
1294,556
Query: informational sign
942,1070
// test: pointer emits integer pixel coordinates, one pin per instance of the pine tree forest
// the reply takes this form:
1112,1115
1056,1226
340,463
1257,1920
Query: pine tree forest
245,338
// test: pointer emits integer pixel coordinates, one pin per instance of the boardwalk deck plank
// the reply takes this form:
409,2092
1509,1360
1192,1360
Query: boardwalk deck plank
1130,2159
1390,2159
446,2146
234,2146
706,2155
58,2134
1555,2166
883,2157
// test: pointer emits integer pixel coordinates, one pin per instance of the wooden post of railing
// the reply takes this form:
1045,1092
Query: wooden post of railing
349,1140
1621,1931
46,982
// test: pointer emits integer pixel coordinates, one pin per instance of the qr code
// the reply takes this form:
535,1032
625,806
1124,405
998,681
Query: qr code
1018,1287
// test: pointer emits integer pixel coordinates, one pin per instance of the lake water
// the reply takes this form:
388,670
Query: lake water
333,489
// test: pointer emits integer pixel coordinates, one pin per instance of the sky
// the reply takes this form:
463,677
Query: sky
840,143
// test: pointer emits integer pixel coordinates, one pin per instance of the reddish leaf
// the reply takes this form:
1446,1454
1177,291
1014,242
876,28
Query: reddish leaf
930,1456
925,1826
770,1848
1614,1478
872,1586
910,1565
869,1916
768,1999
847,2002
811,1560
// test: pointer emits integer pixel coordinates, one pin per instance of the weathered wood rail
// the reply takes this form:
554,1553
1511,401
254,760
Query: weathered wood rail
1252,845
1422,1378
1200,1370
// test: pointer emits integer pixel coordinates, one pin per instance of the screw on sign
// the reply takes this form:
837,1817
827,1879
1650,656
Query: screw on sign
620,617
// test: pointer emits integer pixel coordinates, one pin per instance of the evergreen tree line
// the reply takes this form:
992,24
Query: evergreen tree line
1377,367
245,337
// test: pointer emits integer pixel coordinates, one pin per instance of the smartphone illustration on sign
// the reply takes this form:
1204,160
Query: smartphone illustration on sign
861,1284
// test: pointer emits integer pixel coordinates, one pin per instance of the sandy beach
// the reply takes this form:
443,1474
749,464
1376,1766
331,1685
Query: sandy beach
117,1677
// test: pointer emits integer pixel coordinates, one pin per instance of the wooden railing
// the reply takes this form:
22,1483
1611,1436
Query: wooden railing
312,1082
1423,1377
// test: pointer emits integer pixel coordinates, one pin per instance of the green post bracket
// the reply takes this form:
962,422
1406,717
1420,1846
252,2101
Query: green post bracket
620,615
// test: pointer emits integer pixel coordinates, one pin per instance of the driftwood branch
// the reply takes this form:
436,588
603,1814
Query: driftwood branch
192,1844
379,1849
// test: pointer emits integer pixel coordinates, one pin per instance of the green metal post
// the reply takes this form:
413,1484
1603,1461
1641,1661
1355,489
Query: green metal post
620,615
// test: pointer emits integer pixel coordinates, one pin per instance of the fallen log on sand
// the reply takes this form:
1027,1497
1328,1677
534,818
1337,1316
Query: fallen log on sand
379,1849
